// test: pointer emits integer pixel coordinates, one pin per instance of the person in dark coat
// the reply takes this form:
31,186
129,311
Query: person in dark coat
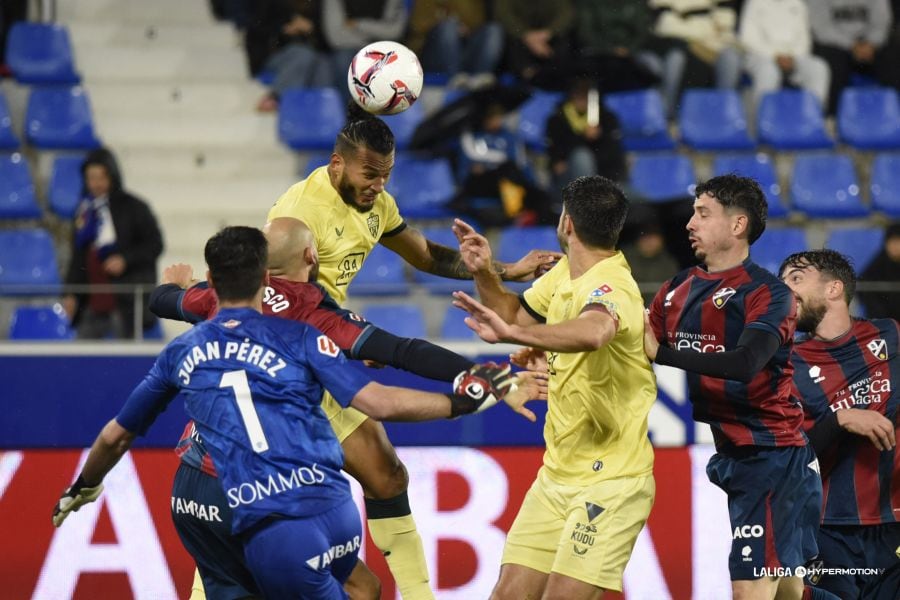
884,268
116,241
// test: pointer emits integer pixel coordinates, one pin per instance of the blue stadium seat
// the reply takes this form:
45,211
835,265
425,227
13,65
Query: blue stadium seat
869,118
59,118
644,125
45,323
663,177
712,119
404,124
8,139
825,185
17,199
758,167
774,245
885,184
533,115
27,257
310,118
422,187
441,285
66,185
404,320
381,275
860,244
40,53
516,242
791,120
454,326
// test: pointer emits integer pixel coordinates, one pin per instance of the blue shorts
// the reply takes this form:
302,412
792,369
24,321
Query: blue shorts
202,519
307,557
774,503
863,547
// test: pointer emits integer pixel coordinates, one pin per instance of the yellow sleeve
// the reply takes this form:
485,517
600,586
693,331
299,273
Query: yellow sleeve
615,296
392,218
537,297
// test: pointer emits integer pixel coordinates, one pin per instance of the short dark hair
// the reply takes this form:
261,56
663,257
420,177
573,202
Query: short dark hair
237,257
743,193
597,208
830,263
363,130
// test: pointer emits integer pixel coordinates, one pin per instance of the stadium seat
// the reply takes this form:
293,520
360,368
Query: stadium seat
310,118
643,121
422,187
66,185
774,245
17,199
533,115
860,244
43,323
441,285
404,124
791,120
825,185
885,184
40,53
404,320
314,160
663,177
27,258
59,118
516,242
869,118
759,167
382,275
712,119
8,139
454,326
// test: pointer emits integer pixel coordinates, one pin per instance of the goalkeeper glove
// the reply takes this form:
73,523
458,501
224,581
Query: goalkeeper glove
74,498
480,387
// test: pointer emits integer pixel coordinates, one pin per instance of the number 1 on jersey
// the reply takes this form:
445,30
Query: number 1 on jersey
237,380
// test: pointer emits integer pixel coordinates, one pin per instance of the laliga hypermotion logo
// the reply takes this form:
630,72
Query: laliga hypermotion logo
363,82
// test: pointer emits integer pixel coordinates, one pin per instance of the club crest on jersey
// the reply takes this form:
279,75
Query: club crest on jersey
326,346
373,222
878,348
722,296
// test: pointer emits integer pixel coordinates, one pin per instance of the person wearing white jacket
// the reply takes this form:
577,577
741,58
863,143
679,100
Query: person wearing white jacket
777,41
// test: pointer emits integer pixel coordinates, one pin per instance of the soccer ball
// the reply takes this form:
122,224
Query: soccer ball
385,78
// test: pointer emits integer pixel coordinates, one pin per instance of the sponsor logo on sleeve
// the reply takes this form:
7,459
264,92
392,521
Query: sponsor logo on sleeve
326,346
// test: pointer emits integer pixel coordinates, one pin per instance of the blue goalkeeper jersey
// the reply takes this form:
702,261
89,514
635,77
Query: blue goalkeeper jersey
253,386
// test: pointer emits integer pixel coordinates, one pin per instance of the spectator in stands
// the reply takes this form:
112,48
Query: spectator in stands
707,29
351,24
116,241
538,34
651,263
853,36
578,147
454,37
884,268
777,43
285,38
495,187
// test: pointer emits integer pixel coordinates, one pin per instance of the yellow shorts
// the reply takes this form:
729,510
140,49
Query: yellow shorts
344,421
583,532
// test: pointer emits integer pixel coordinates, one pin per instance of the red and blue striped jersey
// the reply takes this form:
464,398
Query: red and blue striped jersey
859,370
304,302
698,311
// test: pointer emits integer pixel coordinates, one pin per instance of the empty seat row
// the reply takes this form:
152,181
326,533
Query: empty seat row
56,118
17,194
861,245
823,185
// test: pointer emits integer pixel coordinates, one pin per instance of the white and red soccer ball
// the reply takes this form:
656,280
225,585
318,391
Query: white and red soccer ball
385,78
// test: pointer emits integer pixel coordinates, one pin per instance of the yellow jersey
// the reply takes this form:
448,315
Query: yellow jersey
344,236
596,426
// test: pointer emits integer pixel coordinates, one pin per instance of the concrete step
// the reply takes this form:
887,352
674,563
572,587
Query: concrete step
114,33
126,63
135,11
173,98
211,199
248,131
149,162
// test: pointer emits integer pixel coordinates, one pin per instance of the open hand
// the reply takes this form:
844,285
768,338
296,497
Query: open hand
530,386
485,322
531,359
651,344
180,274
870,424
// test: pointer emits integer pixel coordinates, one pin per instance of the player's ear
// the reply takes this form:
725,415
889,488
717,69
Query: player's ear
835,289
336,163
265,279
209,280
740,224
